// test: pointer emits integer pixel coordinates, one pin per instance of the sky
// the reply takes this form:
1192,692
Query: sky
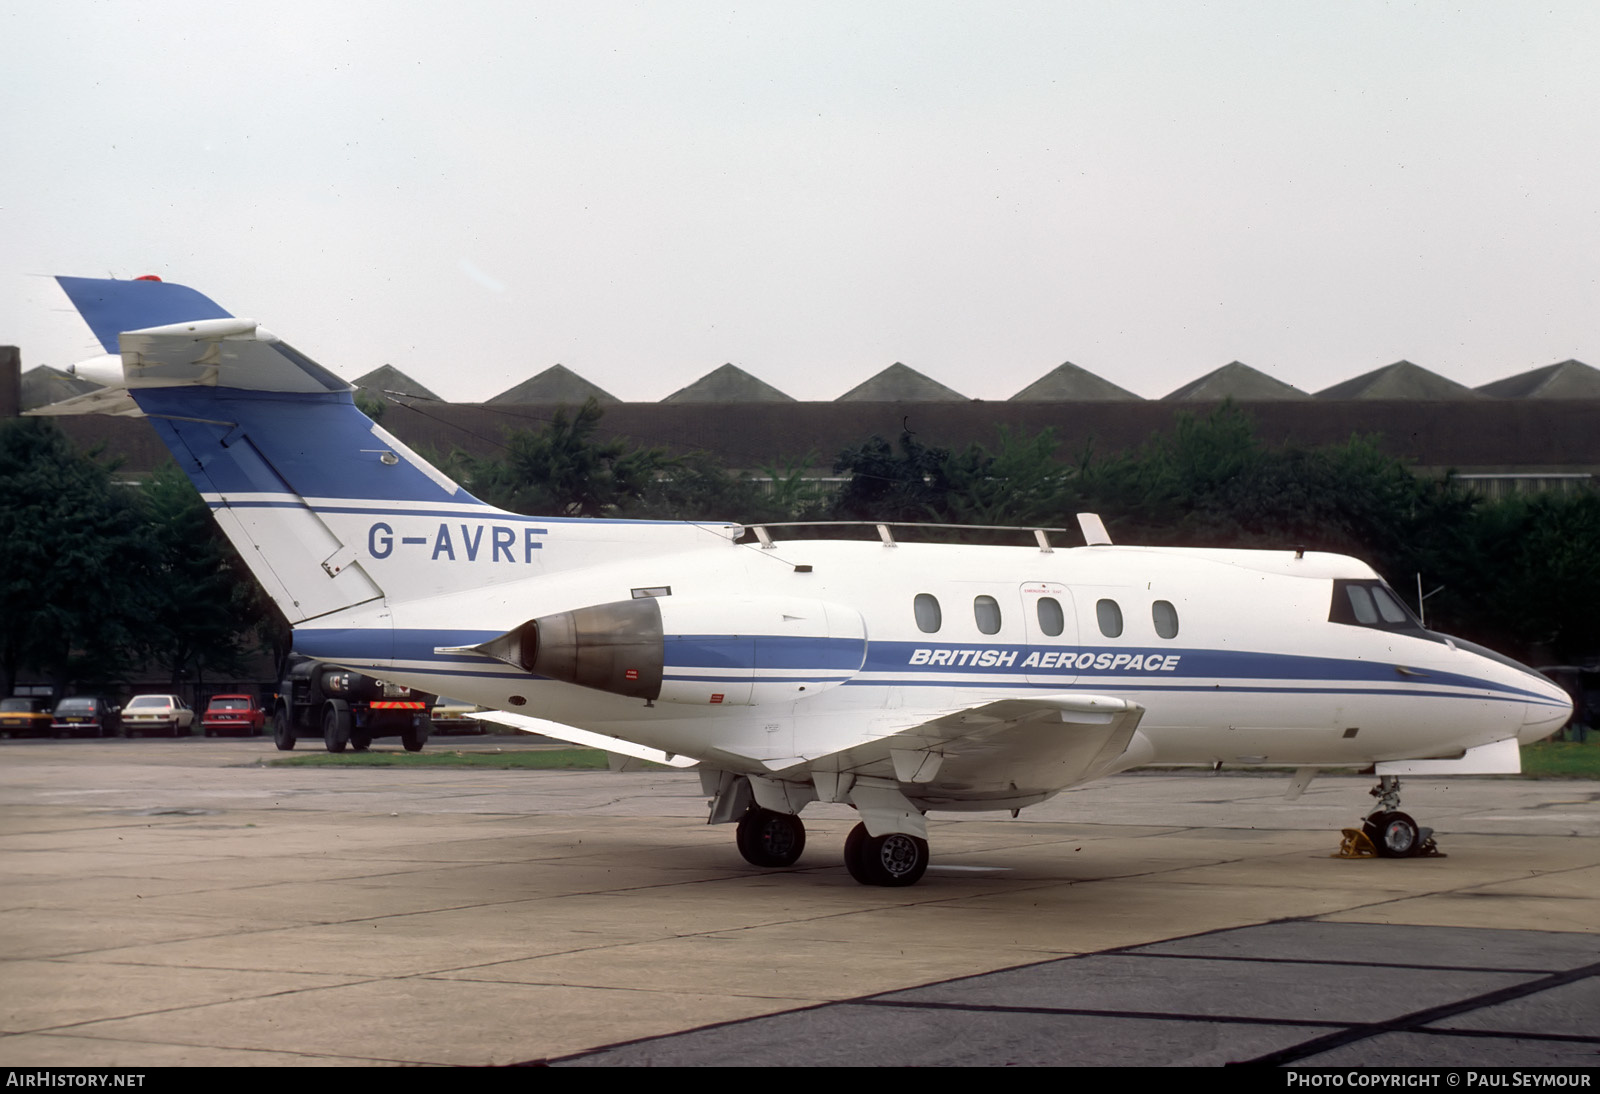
473,192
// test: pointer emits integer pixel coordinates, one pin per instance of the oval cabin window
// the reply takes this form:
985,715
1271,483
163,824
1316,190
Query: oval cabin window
929,618
1166,618
1110,618
1052,620
986,610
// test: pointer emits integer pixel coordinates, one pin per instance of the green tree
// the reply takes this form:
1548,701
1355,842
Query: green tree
563,469
1522,575
1019,483
1213,483
885,485
75,566
792,493
370,404
566,469
695,486
209,613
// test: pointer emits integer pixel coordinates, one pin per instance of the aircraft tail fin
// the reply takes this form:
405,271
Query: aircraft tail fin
271,439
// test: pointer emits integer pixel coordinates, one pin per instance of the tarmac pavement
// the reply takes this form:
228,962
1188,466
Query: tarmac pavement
181,902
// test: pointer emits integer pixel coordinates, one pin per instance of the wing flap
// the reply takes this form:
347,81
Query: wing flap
1001,749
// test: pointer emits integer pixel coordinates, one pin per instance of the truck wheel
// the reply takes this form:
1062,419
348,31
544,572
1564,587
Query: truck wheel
415,735
336,725
282,729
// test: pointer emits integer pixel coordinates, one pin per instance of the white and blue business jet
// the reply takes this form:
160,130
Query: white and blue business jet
896,677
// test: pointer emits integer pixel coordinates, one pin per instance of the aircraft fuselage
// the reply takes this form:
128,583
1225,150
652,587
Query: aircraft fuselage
1232,654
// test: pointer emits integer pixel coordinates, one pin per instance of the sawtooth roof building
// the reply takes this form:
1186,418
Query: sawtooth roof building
1538,429
1237,381
556,384
1068,383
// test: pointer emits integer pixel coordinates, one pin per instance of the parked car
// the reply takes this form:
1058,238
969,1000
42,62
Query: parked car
166,713
232,714
86,714
24,716
450,716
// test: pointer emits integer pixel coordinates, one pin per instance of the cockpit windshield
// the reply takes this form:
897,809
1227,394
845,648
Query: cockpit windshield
1370,604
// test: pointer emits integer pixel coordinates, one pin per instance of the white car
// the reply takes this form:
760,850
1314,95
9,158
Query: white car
167,713
451,716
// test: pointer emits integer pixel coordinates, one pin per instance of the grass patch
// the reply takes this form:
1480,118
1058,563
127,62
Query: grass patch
1562,760
540,759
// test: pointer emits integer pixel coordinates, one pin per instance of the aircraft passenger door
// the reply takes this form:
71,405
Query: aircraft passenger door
1050,621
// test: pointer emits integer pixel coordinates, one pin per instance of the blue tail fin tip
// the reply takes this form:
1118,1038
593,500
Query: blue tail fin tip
111,307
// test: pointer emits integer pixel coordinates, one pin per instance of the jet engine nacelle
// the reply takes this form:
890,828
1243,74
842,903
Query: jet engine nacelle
718,651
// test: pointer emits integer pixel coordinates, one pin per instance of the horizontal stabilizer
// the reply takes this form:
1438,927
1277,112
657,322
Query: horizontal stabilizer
112,400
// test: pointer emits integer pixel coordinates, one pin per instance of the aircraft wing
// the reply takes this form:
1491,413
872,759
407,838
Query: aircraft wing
582,737
1041,743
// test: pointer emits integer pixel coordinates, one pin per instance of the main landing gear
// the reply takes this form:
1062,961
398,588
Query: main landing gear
1387,832
896,860
769,838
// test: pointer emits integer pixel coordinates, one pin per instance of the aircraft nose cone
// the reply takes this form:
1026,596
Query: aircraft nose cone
1545,716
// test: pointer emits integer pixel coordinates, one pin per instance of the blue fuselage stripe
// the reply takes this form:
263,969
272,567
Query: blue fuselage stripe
763,651
774,658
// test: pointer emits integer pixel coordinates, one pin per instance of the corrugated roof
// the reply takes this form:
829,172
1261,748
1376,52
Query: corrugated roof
900,384
728,384
1569,379
1401,380
1234,380
556,384
389,378
44,385
1067,383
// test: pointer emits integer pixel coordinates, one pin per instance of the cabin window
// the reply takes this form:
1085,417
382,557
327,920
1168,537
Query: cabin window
986,610
929,618
1052,620
1165,617
1110,617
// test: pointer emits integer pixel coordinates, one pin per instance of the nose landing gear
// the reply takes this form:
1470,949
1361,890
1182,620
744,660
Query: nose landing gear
1387,832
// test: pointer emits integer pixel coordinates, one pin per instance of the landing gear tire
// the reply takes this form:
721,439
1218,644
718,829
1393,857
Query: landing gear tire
768,838
1393,834
282,730
336,725
896,860
416,734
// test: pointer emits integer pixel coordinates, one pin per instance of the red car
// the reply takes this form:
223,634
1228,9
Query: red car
233,714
